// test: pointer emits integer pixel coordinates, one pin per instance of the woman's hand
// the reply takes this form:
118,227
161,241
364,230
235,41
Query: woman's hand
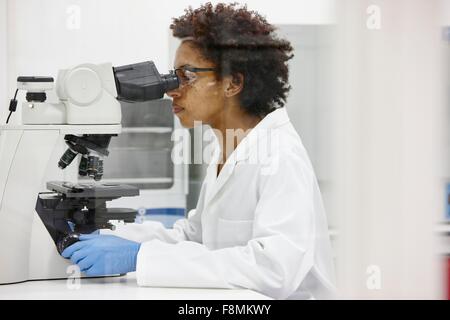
99,255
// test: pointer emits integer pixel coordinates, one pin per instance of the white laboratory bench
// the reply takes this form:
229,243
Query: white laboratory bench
112,288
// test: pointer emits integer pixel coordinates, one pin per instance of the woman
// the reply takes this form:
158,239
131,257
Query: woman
259,221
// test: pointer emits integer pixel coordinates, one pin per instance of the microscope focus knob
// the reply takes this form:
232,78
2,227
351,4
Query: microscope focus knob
67,241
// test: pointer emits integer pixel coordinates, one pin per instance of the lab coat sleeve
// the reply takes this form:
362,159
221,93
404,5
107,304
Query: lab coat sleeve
274,262
185,229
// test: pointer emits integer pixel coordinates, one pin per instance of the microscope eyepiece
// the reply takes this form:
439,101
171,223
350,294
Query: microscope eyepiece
170,81
142,82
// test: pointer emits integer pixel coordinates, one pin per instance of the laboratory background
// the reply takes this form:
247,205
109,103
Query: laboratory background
370,99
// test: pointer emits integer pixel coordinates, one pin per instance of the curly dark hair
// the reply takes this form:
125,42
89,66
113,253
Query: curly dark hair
237,40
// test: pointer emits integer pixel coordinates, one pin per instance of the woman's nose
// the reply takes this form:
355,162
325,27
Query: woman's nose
175,93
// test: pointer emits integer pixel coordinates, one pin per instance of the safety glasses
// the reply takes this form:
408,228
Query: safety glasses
188,74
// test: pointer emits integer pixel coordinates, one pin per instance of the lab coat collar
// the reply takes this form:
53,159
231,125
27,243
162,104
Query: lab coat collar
260,133
274,119
256,136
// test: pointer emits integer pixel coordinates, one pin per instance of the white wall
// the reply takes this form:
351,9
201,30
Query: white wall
3,70
43,35
445,12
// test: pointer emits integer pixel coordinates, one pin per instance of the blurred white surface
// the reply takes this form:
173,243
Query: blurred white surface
389,160
66,33
112,288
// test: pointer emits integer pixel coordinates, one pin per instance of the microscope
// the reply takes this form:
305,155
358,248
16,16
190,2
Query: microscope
51,165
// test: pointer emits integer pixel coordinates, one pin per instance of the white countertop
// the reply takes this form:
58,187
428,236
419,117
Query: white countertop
111,288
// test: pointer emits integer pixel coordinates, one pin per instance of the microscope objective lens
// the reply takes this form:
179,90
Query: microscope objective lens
99,173
82,169
92,167
67,158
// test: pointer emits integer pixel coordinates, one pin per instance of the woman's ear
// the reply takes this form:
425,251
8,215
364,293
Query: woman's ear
234,84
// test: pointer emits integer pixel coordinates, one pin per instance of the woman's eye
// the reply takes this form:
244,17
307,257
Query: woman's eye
190,76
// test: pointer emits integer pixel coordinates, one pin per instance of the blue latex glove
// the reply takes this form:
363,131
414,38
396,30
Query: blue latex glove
99,255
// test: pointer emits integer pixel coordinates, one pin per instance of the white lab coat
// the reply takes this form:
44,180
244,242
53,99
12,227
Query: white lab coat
259,225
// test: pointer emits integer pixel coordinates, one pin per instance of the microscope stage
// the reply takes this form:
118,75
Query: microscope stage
92,190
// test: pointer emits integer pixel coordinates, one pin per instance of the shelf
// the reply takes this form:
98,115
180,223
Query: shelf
147,129
138,180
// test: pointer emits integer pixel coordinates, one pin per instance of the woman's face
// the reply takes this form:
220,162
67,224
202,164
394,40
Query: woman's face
202,97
